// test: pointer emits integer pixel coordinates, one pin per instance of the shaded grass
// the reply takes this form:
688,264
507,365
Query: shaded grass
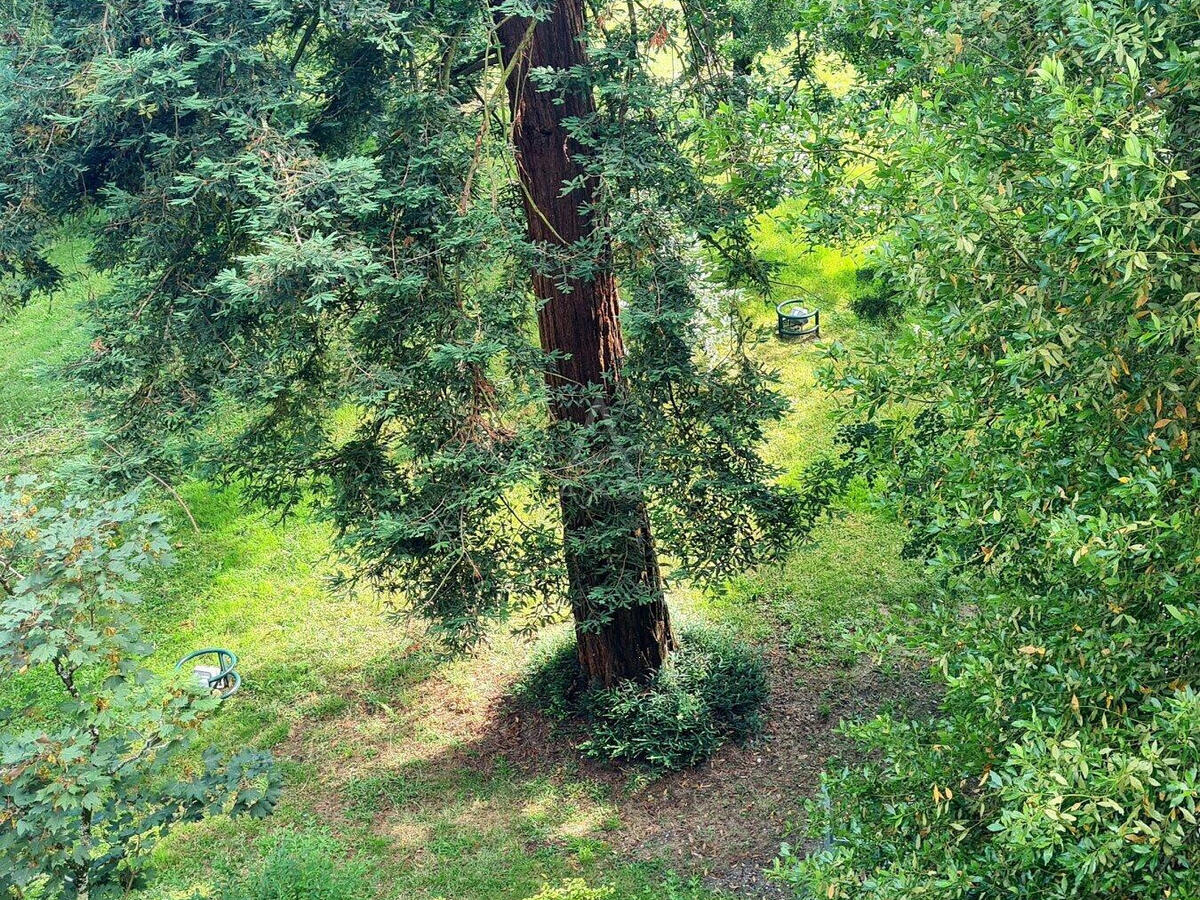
426,836
846,583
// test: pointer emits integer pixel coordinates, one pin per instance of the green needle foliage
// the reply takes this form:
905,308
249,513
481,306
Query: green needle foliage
84,797
322,271
1029,170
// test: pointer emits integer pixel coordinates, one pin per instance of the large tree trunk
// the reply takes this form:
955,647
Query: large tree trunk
582,326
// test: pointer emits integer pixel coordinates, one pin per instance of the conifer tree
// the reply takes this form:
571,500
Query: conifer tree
483,334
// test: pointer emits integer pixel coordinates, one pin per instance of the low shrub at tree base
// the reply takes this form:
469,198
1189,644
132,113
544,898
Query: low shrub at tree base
712,691
728,676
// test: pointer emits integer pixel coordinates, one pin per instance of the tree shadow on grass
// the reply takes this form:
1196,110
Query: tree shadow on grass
449,775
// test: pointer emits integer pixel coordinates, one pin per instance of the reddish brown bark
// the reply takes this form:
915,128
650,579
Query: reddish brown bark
582,326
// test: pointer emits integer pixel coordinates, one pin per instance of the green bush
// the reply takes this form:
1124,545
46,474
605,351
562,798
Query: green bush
663,726
875,298
87,792
728,677
1037,436
298,865
552,678
711,691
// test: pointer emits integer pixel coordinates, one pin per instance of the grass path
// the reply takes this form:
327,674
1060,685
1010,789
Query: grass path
418,769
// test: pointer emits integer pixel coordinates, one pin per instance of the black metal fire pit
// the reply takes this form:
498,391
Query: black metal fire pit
798,321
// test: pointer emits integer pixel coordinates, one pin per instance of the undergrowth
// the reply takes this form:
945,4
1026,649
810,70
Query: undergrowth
711,691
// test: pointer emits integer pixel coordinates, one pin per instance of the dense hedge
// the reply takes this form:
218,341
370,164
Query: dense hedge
1030,182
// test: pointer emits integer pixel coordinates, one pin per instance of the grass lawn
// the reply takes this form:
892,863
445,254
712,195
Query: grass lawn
41,416
415,775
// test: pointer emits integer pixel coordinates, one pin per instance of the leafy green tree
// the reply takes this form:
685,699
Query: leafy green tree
84,796
1032,169
484,333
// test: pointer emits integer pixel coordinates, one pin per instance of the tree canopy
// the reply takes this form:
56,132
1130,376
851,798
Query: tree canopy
323,251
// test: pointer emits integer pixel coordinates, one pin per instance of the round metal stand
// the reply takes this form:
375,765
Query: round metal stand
795,320
221,677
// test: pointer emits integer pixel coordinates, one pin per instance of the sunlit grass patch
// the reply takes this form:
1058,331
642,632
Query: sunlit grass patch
823,278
